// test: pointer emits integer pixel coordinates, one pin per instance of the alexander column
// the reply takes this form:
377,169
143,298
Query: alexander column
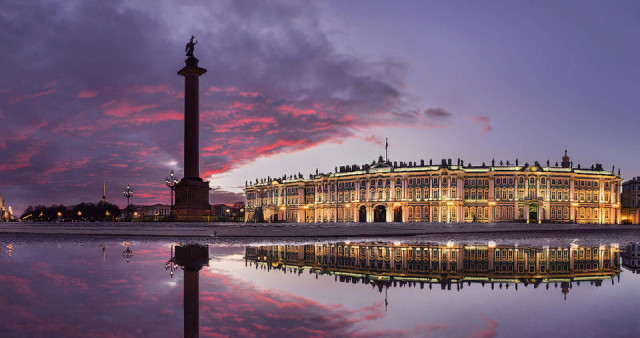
192,193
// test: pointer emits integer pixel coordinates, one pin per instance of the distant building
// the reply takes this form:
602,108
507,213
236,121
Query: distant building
225,212
442,192
151,213
631,257
5,216
631,201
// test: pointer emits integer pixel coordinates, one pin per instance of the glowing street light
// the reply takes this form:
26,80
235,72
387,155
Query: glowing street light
171,183
127,253
127,193
171,264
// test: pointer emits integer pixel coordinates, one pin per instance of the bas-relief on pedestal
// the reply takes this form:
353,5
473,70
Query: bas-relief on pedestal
192,193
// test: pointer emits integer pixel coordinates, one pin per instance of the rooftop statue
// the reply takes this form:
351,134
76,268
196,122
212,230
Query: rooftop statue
190,46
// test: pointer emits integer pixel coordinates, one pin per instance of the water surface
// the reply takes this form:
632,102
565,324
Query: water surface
367,287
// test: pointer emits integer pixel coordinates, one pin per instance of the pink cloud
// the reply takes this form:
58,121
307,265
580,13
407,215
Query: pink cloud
155,89
483,121
86,94
124,109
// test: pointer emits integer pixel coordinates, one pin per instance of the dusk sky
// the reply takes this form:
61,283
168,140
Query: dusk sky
89,90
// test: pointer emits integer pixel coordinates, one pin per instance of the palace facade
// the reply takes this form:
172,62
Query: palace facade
631,201
386,264
445,192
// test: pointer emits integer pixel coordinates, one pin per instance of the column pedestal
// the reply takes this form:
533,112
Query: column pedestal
192,201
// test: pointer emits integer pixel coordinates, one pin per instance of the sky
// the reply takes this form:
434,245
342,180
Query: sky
89,91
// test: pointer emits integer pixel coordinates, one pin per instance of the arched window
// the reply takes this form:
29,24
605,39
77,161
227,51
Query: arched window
473,194
387,194
398,194
497,212
418,212
510,212
565,213
553,213
410,212
466,212
379,196
418,193
410,193
426,213
426,193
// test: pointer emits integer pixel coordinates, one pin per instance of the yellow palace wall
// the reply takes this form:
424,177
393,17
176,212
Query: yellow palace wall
443,194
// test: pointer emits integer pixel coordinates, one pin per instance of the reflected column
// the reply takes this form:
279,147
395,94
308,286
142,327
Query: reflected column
191,258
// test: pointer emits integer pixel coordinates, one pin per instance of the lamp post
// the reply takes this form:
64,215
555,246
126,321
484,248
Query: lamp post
127,253
171,264
127,193
171,183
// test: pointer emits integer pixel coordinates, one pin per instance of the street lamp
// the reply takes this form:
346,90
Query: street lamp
171,183
127,253
127,193
171,264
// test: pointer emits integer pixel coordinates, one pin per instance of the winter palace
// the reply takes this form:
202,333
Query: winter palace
417,192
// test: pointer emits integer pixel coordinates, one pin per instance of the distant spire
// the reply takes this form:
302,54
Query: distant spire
386,149
104,193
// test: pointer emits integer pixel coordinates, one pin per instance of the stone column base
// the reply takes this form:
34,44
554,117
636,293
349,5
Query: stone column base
192,201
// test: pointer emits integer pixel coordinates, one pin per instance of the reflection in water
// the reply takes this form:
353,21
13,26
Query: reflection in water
127,253
631,257
191,258
396,264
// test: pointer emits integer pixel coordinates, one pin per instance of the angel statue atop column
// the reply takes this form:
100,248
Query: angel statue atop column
190,45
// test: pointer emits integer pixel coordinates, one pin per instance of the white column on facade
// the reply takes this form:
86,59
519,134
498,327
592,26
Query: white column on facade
491,188
515,197
404,187
392,188
571,188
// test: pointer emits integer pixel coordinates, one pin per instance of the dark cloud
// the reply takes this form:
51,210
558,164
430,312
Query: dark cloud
91,93
437,115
